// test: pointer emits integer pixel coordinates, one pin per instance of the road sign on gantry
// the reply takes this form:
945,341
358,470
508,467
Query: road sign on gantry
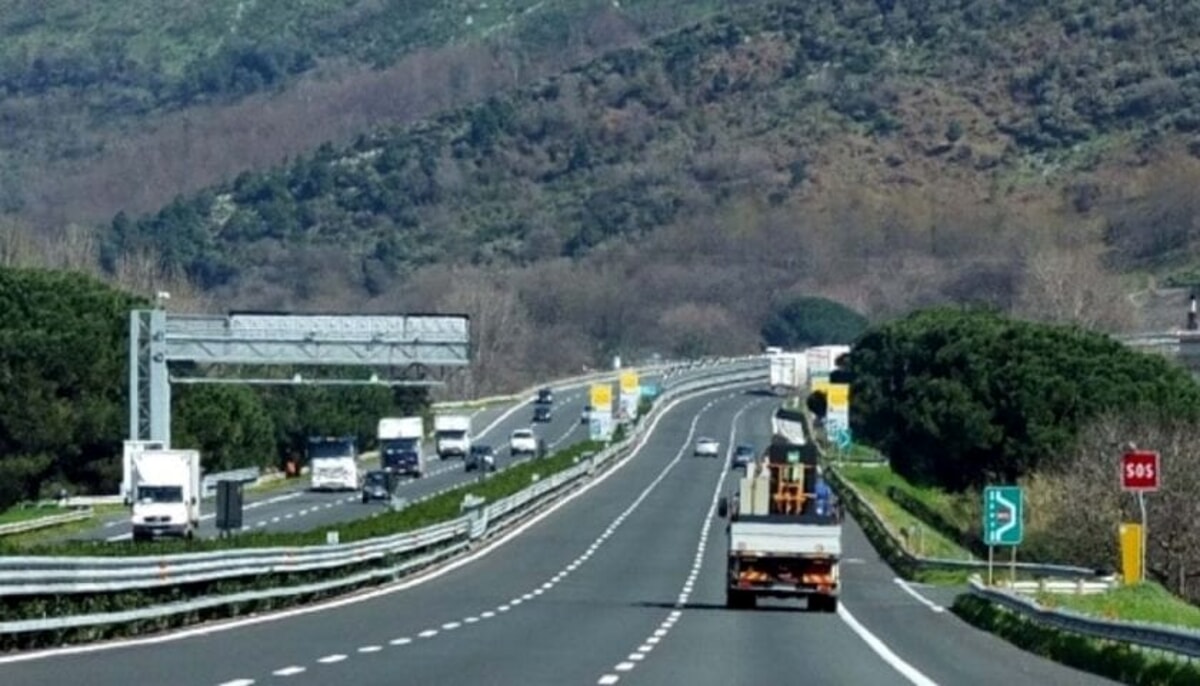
1140,470
1003,515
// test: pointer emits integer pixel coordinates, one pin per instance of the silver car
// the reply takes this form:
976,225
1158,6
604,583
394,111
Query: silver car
707,447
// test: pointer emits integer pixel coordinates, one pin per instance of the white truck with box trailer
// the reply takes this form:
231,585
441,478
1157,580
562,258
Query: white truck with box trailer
165,493
784,532
452,434
400,450
333,463
789,373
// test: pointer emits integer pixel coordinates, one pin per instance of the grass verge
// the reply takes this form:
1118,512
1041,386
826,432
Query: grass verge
438,509
20,543
1146,602
29,513
1120,662
919,538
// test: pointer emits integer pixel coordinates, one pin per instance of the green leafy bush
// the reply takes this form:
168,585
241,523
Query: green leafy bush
966,397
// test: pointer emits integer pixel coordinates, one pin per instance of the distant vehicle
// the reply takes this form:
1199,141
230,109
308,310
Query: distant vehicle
707,447
545,396
481,457
400,445
743,455
166,494
333,462
587,415
452,434
523,442
541,413
378,484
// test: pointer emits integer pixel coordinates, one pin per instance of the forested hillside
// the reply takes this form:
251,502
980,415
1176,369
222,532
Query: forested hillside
63,356
1036,156
110,106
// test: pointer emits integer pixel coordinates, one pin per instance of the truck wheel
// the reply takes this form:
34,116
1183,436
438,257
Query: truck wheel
823,603
740,600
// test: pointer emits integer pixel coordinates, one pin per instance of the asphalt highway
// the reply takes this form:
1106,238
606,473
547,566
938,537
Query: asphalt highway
296,508
620,584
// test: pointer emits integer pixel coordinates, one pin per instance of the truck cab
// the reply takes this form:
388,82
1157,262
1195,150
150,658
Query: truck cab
452,433
333,463
165,497
784,532
400,450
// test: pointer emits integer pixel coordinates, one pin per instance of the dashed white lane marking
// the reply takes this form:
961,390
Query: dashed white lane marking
920,598
332,659
565,572
702,543
403,641
289,671
238,682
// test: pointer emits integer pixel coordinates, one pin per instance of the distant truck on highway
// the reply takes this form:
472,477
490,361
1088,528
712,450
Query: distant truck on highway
165,493
452,434
789,372
333,463
400,450
784,532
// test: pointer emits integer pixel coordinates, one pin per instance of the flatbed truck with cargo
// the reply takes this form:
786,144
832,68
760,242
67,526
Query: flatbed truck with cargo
784,532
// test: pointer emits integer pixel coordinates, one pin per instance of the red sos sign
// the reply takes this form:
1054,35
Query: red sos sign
1139,470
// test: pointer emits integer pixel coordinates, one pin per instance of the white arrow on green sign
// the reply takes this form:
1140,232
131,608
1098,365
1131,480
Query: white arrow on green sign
1003,515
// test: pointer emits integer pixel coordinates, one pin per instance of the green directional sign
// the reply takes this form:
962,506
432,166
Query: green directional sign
1003,515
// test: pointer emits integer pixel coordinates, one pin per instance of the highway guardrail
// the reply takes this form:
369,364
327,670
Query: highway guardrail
208,483
1144,635
898,554
399,554
77,515
1167,638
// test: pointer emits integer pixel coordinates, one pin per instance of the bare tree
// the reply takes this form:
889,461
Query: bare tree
1068,284
500,328
1082,503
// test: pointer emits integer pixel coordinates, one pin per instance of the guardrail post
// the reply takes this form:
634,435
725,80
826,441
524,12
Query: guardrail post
472,507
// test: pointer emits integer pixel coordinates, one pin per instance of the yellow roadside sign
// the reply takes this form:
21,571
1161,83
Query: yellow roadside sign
629,383
602,396
838,395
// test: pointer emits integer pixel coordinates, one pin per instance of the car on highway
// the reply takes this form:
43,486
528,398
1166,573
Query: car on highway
481,457
707,447
541,413
523,442
586,417
545,396
743,455
378,484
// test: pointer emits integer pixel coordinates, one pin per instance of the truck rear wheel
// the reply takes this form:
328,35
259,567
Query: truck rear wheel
823,603
739,600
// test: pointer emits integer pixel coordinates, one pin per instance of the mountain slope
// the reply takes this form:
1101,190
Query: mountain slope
797,105
89,86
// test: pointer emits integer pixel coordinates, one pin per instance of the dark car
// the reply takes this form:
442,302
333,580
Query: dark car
541,413
545,396
743,455
378,485
481,457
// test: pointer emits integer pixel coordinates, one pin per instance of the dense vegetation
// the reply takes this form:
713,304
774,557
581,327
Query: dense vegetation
63,356
78,77
740,105
962,398
805,322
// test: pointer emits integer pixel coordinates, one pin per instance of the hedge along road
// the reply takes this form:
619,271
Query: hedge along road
298,509
490,586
